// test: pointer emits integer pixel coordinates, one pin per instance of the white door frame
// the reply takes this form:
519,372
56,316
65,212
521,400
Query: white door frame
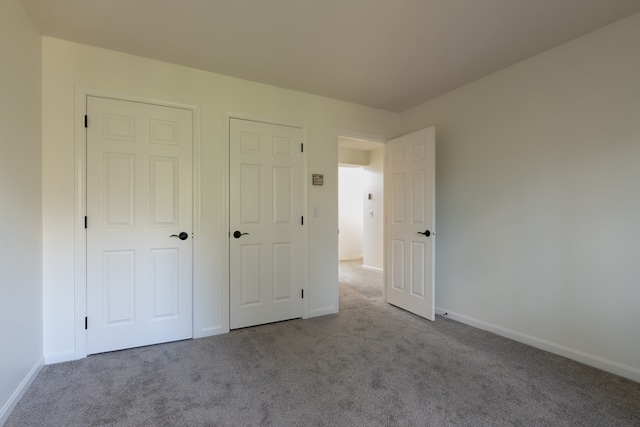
80,205
373,138
225,231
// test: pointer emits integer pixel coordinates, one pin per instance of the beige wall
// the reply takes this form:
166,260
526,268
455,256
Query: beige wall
538,199
353,157
68,64
20,204
350,204
373,228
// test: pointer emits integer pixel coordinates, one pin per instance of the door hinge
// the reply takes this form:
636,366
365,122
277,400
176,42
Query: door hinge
85,120
302,220
302,148
302,292
86,322
85,221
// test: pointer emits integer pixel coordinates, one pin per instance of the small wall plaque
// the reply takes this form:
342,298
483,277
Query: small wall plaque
318,179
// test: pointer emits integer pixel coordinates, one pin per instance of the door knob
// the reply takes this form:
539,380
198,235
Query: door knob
425,233
237,234
182,236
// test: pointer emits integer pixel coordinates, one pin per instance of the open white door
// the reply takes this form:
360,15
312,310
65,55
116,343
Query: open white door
410,245
139,224
266,204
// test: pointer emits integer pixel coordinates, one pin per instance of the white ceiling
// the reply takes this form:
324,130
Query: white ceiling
389,54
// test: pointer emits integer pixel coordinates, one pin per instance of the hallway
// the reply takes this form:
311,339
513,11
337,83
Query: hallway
358,286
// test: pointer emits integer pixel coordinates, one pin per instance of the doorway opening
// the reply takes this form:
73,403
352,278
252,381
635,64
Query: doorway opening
361,220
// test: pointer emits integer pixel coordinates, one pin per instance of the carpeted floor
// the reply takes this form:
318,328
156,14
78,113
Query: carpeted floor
369,365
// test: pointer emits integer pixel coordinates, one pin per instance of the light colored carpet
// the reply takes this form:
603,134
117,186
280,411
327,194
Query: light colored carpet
370,365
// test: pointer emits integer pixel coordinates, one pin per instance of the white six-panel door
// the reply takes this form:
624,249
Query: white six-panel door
410,195
265,211
139,194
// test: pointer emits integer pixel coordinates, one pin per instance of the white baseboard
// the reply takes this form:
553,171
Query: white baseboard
320,312
368,267
60,357
20,391
628,372
210,331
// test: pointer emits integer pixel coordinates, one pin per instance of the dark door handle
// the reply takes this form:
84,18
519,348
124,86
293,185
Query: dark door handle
425,233
237,234
182,236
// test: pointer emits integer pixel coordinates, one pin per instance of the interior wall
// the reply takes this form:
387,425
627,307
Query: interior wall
350,212
373,222
353,157
20,204
538,199
67,64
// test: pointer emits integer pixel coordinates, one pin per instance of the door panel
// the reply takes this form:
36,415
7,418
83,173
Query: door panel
164,181
118,190
250,277
282,258
266,203
164,282
119,287
396,271
418,279
139,193
411,194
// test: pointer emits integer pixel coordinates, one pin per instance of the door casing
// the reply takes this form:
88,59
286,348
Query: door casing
372,138
358,135
80,203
